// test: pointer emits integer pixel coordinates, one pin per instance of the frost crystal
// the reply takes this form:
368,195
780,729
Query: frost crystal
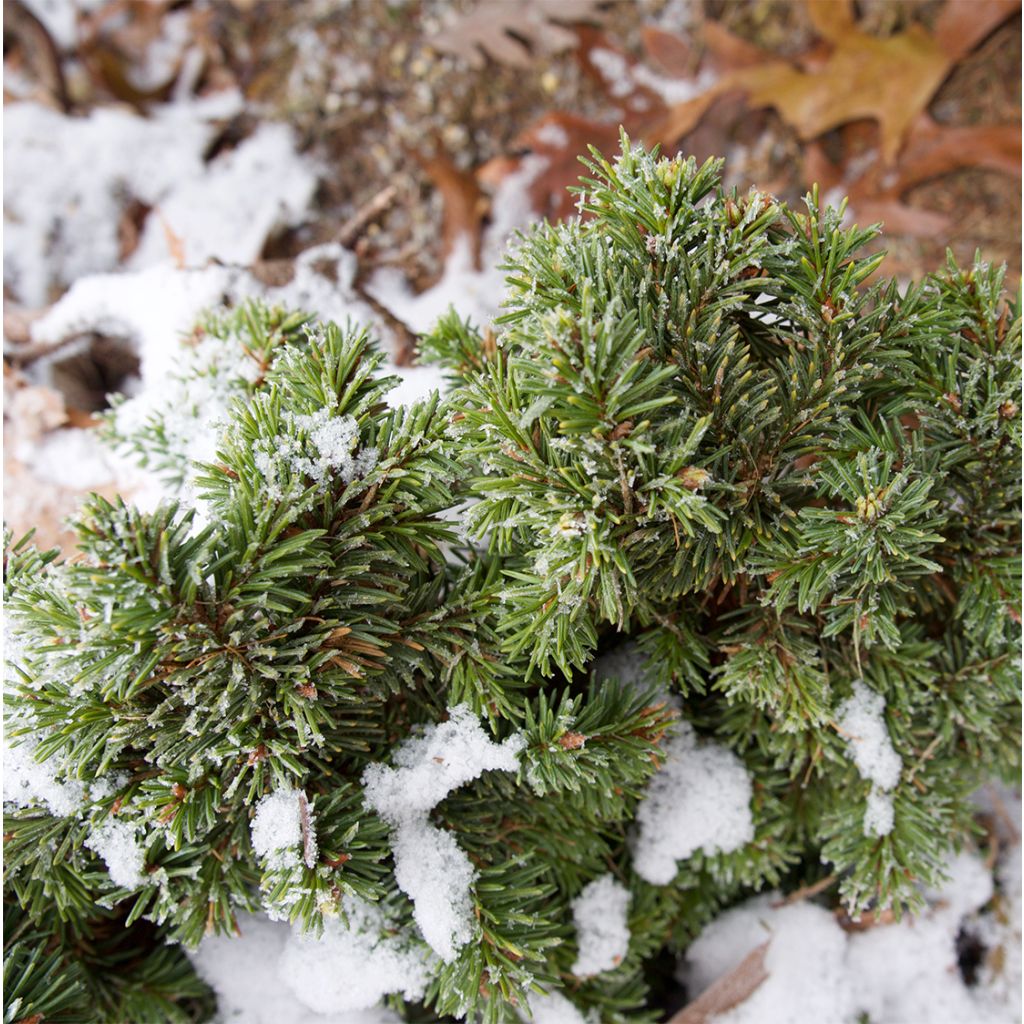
115,842
429,866
328,452
862,720
601,915
699,800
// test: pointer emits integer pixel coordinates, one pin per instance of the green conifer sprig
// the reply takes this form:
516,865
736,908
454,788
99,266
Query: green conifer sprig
701,442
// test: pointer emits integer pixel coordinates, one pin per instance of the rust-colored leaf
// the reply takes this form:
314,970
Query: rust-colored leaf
863,77
561,139
728,51
465,203
669,52
963,24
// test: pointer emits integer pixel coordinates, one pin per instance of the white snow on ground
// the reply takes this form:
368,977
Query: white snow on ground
68,180
226,211
429,865
895,973
475,294
252,977
60,18
62,216
698,800
601,915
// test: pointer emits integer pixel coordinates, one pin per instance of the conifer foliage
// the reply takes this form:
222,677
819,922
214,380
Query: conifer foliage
704,577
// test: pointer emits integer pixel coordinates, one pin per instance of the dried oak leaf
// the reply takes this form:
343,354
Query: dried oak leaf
561,139
513,32
930,150
464,202
887,80
30,51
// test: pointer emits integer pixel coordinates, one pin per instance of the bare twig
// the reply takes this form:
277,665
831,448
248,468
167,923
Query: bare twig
366,214
405,340
308,839
806,891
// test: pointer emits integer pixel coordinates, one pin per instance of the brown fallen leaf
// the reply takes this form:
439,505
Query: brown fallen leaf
561,139
887,80
465,204
513,32
963,24
668,52
29,48
115,39
612,69
931,150
730,990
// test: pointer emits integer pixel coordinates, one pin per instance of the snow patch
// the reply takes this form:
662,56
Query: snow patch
125,858
227,209
698,800
28,782
429,865
890,973
807,979
277,833
554,1008
861,719
354,963
61,215
252,987
601,915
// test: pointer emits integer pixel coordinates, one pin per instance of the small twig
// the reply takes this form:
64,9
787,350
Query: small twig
806,891
366,214
1002,813
924,758
863,924
405,340
308,841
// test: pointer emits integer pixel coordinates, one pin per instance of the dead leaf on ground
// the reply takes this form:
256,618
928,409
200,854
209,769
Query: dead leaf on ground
465,204
875,90
118,37
886,80
561,139
730,990
513,32
30,50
